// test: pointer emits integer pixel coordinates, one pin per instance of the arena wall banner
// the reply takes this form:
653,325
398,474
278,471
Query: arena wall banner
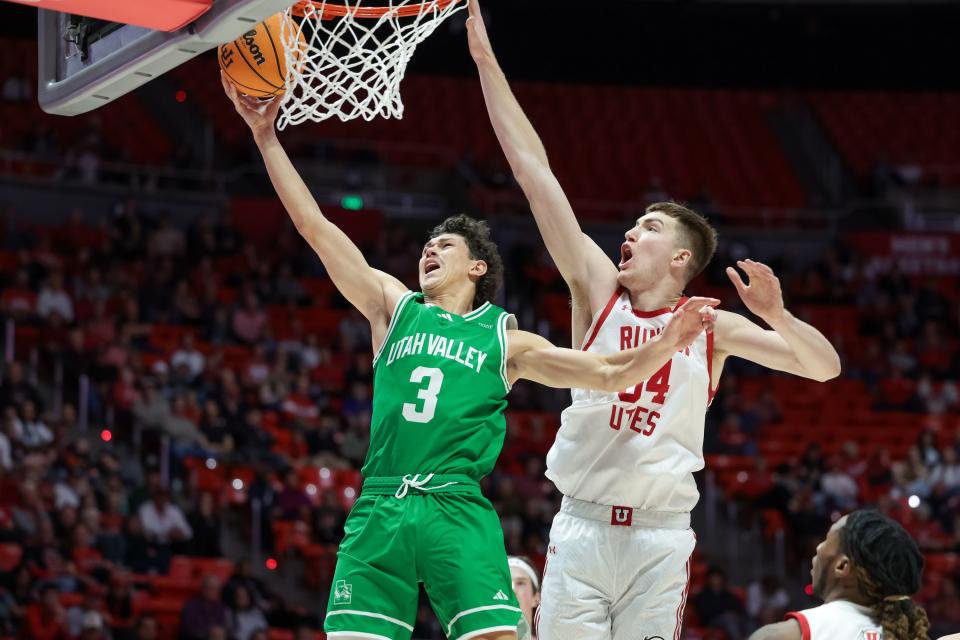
915,254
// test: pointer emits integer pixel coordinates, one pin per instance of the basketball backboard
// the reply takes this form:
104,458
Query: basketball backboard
85,63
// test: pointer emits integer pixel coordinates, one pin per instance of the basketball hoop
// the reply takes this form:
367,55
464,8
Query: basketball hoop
354,56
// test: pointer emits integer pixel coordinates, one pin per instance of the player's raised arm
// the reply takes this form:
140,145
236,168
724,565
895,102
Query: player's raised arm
792,345
584,266
372,292
533,357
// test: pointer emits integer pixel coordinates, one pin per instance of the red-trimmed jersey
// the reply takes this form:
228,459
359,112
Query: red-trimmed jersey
639,447
838,620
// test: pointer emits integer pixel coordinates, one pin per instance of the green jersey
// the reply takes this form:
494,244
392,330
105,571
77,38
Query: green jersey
439,391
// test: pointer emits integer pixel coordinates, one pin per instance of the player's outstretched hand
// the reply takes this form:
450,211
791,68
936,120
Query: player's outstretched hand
763,295
690,320
258,114
480,47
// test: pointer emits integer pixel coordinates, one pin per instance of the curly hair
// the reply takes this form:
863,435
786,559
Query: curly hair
888,567
476,233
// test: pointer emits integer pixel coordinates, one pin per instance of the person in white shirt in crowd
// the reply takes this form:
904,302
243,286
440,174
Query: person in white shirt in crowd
30,430
840,489
54,299
163,522
188,356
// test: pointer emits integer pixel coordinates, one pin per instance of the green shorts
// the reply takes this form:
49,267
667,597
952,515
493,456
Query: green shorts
440,531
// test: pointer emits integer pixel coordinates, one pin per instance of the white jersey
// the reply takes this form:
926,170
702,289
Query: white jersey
838,620
640,447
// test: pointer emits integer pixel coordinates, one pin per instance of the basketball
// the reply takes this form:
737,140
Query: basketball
255,62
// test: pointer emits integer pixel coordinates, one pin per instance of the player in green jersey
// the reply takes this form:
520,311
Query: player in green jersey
444,361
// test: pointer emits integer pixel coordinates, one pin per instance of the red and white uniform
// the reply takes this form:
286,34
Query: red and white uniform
618,559
838,620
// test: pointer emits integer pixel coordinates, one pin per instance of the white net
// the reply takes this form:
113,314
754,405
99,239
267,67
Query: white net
344,62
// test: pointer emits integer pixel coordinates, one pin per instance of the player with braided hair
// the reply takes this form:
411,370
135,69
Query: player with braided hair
865,571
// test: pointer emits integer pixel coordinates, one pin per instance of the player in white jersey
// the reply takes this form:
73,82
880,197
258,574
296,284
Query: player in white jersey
865,571
619,550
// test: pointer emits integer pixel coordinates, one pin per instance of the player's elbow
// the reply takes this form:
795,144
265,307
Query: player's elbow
528,168
830,370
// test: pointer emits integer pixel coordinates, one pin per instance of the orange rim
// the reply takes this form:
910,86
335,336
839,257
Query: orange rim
333,10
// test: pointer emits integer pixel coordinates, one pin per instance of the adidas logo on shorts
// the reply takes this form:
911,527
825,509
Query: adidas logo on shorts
500,595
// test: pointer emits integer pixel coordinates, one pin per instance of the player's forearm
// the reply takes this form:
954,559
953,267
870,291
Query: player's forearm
528,160
342,259
818,358
518,139
626,368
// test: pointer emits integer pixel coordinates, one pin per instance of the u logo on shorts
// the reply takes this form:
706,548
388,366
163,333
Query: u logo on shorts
621,516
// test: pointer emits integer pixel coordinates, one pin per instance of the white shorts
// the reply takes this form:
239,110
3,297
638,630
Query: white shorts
606,581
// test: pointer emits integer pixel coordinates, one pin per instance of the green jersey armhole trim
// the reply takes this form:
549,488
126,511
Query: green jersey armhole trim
401,305
479,311
502,336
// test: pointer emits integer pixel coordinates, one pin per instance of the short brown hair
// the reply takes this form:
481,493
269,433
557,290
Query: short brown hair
476,233
696,234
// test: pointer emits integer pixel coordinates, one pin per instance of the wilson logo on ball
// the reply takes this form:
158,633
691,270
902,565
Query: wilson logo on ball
253,47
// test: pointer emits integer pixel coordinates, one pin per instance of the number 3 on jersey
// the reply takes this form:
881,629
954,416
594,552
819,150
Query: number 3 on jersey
428,395
658,384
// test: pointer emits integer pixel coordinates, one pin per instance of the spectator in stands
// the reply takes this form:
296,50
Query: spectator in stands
31,431
46,619
286,286
19,301
292,502
947,472
16,390
203,613
53,299
839,488
767,601
354,331
187,360
850,460
151,408
244,618
186,305
205,524
119,606
300,403
938,397
719,607
146,628
355,442
164,525
77,616
250,320
216,432
243,577
323,441
928,449
912,477
166,240
329,518
358,405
